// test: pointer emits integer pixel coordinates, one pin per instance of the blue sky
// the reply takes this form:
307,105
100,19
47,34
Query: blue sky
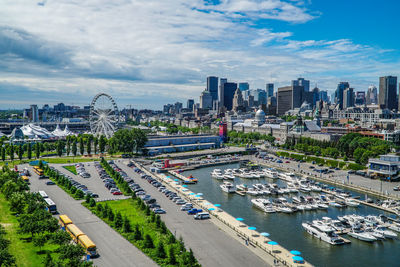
147,53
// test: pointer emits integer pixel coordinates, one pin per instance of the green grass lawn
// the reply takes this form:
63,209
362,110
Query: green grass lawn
71,168
137,216
26,254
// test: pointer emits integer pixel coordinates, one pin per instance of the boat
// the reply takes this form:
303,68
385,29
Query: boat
357,233
296,200
376,234
394,227
228,176
242,187
386,232
252,191
352,203
284,209
260,203
323,232
322,205
228,187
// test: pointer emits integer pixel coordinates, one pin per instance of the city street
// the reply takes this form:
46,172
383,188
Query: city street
114,250
211,245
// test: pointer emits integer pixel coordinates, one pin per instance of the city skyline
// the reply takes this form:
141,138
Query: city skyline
49,55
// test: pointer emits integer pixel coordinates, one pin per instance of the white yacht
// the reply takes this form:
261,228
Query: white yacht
351,202
270,174
253,192
229,176
296,200
362,235
386,232
323,232
242,187
284,209
374,233
260,202
228,187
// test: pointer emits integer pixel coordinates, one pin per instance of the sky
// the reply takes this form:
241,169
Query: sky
151,52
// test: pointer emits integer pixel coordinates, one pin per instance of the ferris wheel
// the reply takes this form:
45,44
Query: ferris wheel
104,115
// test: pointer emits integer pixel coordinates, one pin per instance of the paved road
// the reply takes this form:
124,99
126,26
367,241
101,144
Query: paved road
339,176
114,250
211,246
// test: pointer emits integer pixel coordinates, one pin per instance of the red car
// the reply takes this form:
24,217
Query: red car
287,161
117,193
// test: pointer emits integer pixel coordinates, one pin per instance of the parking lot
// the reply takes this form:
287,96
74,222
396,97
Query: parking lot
211,246
114,250
94,183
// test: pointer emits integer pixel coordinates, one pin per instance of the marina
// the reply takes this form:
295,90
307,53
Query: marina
286,227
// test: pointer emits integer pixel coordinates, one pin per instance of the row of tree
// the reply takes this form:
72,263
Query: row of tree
38,223
350,146
173,129
246,138
6,258
124,140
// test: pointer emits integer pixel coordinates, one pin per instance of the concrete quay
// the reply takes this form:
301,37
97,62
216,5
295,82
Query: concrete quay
273,255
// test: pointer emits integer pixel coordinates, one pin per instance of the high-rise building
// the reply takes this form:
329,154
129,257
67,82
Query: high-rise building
212,86
339,93
34,113
178,107
302,82
372,95
348,98
220,94
316,96
269,88
206,100
244,86
388,92
238,103
190,104
360,98
289,97
260,96
227,91
323,95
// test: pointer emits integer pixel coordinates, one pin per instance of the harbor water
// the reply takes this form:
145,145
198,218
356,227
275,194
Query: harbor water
286,229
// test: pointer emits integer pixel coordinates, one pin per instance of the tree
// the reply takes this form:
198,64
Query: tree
37,150
92,202
17,202
128,140
81,146
102,144
160,252
60,148
79,193
29,151
138,234
126,225
74,148
148,241
39,241
20,151
71,252
41,165
3,153
11,152
191,259
89,144
48,260
172,258
6,259
95,144
60,237
118,220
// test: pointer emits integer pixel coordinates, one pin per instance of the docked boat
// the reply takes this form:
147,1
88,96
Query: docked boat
242,187
228,187
352,203
229,176
385,232
376,234
323,232
357,233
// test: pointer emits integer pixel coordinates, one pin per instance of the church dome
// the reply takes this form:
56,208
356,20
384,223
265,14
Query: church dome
260,116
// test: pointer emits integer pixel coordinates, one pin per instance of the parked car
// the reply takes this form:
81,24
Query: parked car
159,211
396,188
50,183
194,211
202,216
117,193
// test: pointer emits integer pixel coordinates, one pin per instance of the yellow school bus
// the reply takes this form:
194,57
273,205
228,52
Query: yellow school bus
25,178
38,170
64,220
88,245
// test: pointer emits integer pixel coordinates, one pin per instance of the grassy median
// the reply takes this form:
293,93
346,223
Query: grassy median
25,253
140,226
71,168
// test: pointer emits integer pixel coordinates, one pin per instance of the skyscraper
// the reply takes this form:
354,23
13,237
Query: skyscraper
360,98
269,88
244,86
238,102
302,82
190,104
206,100
212,86
289,97
221,93
228,91
323,95
372,95
34,113
387,92
348,98
339,93
316,96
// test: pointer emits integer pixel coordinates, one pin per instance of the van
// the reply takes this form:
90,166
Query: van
202,216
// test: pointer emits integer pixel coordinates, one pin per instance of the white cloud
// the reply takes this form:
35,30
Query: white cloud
160,50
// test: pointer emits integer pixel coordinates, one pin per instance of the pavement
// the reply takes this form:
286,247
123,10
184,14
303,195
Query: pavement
339,176
114,250
211,245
